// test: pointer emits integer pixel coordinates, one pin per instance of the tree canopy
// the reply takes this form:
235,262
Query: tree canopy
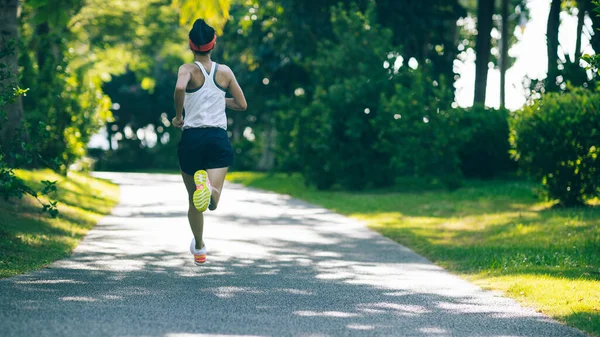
311,70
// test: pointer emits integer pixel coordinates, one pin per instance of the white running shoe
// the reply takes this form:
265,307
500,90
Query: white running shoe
199,254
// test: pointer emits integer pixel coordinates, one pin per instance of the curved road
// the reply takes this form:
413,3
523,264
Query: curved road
277,267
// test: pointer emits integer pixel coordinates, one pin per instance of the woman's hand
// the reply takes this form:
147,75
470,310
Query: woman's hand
177,122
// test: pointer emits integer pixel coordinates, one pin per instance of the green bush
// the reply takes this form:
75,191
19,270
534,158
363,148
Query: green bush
557,140
334,135
372,121
246,155
484,149
418,129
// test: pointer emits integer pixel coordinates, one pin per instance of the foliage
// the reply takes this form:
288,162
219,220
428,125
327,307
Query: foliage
10,185
593,61
65,105
419,130
9,88
426,30
557,140
13,187
337,124
273,46
376,119
216,12
484,150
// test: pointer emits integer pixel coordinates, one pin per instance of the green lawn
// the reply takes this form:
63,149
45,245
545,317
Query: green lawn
29,240
496,234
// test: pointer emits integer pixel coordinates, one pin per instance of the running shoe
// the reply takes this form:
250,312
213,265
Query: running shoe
199,254
203,191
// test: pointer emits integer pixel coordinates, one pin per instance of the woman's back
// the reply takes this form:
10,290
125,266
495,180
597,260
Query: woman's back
205,98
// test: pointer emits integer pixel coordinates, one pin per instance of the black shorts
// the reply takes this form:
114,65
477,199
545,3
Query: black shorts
203,149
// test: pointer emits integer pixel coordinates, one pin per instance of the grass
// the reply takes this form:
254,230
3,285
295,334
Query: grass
496,234
30,240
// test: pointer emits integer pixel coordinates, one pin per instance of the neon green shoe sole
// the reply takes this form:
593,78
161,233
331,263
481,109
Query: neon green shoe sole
201,197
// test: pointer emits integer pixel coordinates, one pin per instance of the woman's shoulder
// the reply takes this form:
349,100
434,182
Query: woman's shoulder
224,68
188,66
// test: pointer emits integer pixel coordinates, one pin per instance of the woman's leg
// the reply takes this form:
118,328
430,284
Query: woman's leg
195,217
217,178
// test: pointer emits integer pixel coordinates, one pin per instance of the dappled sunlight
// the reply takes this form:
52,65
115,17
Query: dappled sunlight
433,331
58,281
325,314
360,327
78,299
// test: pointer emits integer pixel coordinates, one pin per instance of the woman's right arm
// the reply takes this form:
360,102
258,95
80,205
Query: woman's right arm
183,77
238,101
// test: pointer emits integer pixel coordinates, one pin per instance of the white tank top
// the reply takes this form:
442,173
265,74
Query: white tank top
205,106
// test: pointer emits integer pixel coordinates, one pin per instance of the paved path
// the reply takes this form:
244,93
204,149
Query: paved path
277,267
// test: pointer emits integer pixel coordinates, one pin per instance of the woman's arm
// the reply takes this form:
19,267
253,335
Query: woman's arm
183,77
238,101
234,105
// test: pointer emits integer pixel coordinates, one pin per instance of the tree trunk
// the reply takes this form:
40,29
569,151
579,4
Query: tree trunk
552,43
504,53
42,31
485,12
267,159
11,128
581,4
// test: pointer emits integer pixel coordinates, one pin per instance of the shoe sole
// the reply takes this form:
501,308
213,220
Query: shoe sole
201,262
201,196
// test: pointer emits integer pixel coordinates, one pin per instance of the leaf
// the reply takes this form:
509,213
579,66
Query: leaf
214,12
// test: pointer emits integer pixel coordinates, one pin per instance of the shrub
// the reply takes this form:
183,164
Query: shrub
246,154
418,129
484,149
372,121
334,135
557,140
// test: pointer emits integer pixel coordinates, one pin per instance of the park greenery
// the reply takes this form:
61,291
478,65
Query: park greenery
30,241
351,106
337,90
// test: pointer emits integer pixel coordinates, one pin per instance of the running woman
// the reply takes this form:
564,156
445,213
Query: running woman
204,151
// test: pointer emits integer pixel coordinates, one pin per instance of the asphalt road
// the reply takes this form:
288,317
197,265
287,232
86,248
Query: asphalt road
276,267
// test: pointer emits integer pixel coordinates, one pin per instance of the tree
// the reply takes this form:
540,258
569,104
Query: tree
581,11
485,12
503,51
65,106
215,12
593,62
552,45
425,30
12,128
